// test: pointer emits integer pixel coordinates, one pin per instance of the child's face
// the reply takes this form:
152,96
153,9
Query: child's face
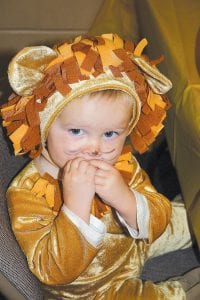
92,127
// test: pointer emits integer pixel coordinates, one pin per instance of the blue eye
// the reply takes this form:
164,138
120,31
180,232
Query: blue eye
110,134
76,131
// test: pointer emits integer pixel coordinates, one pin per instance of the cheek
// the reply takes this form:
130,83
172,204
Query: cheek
120,142
54,146
61,144
55,141
116,145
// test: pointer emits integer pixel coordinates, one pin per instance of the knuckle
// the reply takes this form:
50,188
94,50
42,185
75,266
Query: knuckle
74,178
84,163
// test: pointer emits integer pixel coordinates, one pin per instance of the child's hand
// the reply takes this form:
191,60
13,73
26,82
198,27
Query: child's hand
112,189
78,186
109,184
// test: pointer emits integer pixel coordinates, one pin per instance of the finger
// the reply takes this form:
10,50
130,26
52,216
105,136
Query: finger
83,166
99,180
101,173
75,163
91,171
68,166
101,164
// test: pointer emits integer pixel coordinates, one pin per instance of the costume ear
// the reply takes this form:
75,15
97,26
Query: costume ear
25,70
157,81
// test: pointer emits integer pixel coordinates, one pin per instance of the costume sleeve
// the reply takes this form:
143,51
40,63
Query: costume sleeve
56,251
142,218
159,206
94,232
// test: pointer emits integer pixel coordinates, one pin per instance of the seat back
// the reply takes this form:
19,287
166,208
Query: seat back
13,265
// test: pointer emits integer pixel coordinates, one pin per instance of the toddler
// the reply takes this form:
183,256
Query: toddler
84,213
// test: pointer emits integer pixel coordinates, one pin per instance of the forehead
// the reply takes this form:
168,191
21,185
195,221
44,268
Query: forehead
109,107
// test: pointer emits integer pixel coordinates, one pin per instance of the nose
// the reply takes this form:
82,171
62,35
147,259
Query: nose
92,148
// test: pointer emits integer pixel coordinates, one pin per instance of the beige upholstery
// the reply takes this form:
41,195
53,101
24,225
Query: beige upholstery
12,261
172,28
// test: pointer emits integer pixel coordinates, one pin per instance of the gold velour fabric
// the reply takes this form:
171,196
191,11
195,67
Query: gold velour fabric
70,268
